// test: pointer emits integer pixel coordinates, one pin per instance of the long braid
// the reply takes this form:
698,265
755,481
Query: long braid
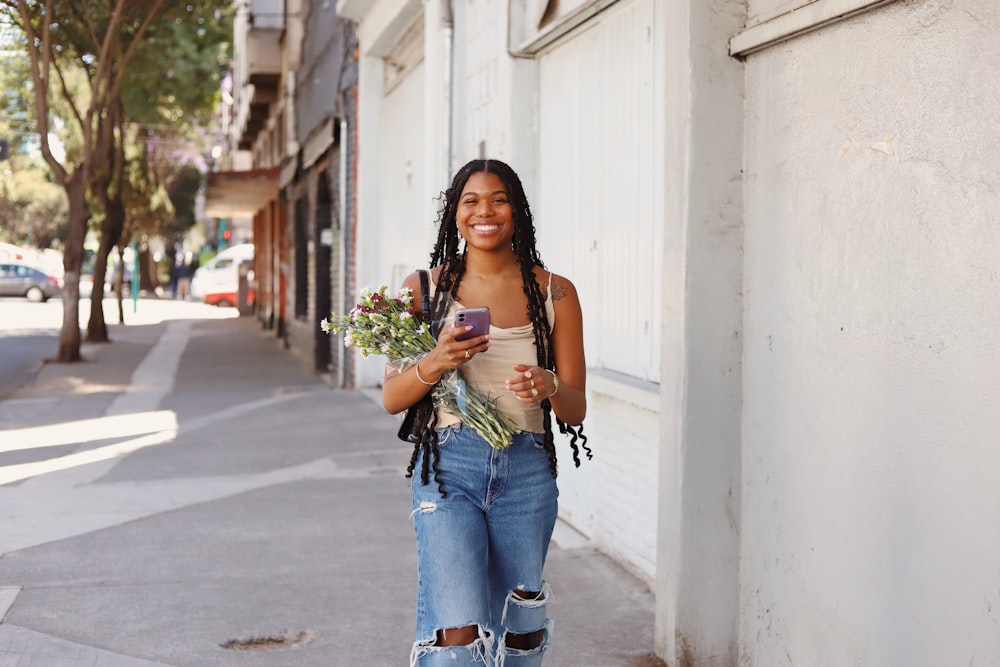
446,255
525,248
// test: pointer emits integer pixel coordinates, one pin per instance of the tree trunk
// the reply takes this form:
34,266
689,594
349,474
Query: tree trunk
79,216
97,328
148,278
111,233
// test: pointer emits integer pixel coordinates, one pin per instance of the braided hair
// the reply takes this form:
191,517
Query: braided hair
451,259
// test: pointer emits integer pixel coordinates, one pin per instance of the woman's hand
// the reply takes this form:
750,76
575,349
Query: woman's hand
451,353
532,384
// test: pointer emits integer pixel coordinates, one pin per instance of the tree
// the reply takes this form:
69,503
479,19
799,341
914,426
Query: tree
172,85
155,63
55,32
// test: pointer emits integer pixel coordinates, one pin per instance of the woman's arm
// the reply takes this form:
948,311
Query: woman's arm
569,401
401,390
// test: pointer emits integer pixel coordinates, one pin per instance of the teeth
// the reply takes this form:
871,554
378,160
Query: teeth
486,228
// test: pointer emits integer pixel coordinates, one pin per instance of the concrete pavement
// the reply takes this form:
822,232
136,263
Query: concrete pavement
193,496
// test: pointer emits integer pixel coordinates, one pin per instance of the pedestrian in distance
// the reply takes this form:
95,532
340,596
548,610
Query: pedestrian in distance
483,516
183,279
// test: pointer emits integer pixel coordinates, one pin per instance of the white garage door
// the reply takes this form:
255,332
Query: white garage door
598,206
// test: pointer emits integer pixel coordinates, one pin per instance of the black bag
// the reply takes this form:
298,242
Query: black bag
418,415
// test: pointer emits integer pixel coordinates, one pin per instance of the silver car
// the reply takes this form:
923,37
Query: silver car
27,281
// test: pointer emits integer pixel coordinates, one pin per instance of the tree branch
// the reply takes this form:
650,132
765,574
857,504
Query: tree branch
85,21
40,74
130,51
67,95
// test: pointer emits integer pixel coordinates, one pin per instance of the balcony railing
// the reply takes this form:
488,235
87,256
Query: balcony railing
258,27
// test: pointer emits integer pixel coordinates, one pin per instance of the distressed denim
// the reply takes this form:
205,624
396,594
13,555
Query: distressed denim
487,538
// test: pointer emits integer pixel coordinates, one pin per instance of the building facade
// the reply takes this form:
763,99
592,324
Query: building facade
781,219
782,253
294,127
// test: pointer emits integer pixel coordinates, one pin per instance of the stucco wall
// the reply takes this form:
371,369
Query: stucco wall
871,457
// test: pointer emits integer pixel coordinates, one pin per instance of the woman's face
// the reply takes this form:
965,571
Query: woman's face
484,215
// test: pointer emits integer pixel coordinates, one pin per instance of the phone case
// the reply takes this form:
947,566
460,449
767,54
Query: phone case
478,318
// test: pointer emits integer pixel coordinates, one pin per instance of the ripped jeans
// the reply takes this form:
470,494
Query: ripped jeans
477,546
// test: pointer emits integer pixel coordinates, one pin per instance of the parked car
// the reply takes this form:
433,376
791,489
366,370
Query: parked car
218,281
29,282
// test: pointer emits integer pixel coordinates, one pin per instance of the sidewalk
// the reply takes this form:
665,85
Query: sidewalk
193,496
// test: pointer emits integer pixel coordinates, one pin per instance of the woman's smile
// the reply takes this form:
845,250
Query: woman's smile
484,212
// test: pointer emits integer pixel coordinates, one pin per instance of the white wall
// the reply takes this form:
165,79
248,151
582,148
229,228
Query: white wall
481,83
697,583
403,234
598,216
870,512
396,231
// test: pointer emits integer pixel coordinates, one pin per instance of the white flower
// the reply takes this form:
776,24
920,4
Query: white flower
405,316
326,326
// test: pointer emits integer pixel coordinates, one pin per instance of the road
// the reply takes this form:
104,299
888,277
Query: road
29,333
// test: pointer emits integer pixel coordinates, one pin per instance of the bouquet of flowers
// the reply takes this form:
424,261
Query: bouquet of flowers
384,325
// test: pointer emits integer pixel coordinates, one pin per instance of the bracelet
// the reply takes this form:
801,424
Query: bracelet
555,383
416,368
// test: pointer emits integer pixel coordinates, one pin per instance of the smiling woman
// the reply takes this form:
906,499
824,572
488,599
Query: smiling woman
484,516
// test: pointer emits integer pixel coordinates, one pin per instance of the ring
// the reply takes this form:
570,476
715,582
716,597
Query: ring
534,392
532,384
467,355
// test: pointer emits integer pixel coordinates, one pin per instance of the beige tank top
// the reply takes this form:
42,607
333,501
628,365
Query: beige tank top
489,371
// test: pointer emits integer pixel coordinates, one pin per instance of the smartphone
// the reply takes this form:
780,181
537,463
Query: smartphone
477,318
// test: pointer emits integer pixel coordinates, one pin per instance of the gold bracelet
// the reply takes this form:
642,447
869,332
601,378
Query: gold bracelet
416,368
555,383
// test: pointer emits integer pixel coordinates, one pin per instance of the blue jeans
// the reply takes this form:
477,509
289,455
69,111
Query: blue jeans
487,538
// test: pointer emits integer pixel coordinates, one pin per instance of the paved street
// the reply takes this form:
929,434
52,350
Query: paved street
191,495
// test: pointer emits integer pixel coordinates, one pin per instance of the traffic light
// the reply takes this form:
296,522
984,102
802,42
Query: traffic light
4,149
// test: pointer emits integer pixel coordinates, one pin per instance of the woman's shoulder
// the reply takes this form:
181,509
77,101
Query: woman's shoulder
413,283
554,286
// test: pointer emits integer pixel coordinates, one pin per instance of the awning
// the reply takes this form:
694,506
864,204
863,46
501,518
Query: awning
240,194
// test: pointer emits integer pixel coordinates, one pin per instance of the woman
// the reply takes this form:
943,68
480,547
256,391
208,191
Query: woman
483,526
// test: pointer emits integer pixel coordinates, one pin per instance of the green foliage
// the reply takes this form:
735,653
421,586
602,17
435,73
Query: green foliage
16,122
183,190
147,204
174,81
32,208
169,90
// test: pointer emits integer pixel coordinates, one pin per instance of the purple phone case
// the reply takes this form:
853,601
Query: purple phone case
478,318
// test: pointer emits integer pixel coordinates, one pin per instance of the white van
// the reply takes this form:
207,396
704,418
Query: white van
217,283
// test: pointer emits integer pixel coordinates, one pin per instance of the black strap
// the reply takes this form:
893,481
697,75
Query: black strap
418,415
425,289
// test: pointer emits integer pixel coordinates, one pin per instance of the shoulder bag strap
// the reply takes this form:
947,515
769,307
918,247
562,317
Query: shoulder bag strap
425,289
